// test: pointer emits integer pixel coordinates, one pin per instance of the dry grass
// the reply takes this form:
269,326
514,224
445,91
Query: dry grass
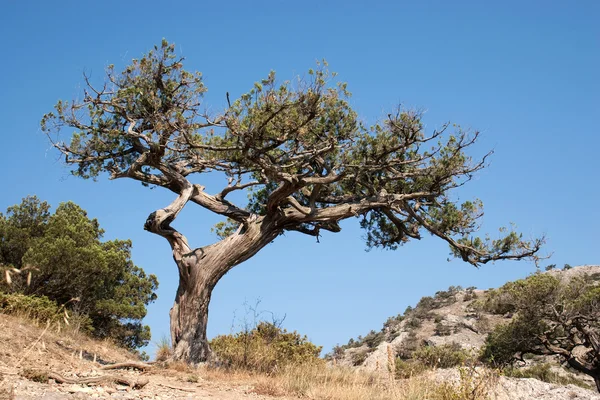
26,343
163,349
338,383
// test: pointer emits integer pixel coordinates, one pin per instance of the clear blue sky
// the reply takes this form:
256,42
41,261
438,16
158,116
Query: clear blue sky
525,73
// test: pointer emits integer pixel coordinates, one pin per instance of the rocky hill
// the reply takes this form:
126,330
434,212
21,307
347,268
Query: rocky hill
457,319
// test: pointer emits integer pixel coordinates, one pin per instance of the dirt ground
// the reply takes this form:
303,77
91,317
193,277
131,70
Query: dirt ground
25,347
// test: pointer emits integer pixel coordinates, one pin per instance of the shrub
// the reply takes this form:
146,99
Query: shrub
393,321
409,368
163,349
39,308
265,349
42,309
359,357
497,301
505,341
413,323
444,356
474,384
337,353
543,372
483,324
426,303
447,297
373,339
408,346
442,329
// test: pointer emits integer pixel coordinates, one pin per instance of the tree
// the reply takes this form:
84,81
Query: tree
300,151
552,317
70,261
22,223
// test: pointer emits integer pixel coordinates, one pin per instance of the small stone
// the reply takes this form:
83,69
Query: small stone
79,389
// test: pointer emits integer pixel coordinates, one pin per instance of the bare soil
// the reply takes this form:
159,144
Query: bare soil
25,347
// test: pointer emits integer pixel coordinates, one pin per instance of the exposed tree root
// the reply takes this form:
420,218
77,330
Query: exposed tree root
177,387
135,365
43,376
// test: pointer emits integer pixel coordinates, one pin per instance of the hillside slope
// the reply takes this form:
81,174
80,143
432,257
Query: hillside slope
453,317
25,347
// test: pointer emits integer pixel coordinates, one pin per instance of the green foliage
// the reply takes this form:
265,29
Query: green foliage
42,309
406,369
505,341
470,294
544,372
21,224
265,349
442,330
413,323
552,316
443,356
359,357
35,307
291,145
70,261
427,357
373,339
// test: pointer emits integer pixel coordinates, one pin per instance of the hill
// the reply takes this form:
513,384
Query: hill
453,323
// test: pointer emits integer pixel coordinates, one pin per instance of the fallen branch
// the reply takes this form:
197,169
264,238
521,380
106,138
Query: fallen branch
176,387
43,376
135,365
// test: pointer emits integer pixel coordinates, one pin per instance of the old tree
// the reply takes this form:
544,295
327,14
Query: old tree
297,148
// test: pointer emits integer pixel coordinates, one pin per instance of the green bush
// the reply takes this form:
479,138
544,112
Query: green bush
497,301
543,372
42,309
359,357
38,308
506,340
374,339
337,353
265,348
413,323
442,330
406,369
409,345
444,356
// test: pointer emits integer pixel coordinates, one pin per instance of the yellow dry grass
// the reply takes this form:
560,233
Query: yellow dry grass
337,383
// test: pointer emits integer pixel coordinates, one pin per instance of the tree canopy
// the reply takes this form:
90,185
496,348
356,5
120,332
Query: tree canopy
297,147
67,259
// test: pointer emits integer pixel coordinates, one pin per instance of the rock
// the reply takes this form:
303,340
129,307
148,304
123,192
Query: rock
79,389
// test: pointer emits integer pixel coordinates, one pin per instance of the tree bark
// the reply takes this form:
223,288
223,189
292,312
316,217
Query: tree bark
199,272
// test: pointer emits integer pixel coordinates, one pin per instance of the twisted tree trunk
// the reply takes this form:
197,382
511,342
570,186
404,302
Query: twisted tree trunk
200,270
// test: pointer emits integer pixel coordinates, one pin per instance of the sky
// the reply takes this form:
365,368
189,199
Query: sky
523,73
